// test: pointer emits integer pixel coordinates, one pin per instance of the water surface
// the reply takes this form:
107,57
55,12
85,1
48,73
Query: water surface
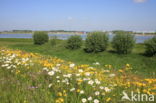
139,38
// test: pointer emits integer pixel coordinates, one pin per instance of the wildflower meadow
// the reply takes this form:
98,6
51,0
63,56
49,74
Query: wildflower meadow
35,78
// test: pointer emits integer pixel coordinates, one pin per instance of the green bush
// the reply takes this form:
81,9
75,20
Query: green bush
53,40
150,46
74,42
96,42
40,37
123,42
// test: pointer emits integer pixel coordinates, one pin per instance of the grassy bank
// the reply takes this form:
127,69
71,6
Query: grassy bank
145,66
32,78
29,77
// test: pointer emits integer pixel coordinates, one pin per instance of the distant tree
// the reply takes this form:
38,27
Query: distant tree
123,42
150,46
40,37
74,42
96,42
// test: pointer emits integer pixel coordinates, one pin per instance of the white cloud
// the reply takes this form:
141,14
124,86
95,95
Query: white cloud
139,1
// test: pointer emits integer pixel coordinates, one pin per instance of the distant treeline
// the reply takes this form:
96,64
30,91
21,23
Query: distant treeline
139,33
118,31
42,30
22,31
74,32
49,31
16,31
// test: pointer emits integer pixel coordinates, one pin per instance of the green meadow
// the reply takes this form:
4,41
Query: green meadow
143,65
54,74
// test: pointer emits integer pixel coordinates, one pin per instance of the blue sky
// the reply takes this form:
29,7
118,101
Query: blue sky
89,15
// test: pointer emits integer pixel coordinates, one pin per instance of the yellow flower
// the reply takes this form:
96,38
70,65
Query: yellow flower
17,71
59,100
64,91
128,84
59,94
108,99
25,101
145,91
79,81
127,65
65,94
120,70
78,90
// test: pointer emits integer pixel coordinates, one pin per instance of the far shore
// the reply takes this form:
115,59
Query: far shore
70,33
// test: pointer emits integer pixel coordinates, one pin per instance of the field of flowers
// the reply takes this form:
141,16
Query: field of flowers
34,78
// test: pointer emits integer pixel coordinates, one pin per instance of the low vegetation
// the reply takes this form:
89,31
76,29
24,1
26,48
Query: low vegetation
151,46
123,42
74,42
34,78
96,42
141,64
53,41
40,37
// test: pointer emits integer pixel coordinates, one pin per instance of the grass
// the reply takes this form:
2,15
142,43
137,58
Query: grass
142,65
41,78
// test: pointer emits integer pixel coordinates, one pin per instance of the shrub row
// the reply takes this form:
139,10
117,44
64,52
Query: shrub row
95,42
122,42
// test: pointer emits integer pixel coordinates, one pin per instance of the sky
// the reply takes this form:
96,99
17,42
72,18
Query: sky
85,15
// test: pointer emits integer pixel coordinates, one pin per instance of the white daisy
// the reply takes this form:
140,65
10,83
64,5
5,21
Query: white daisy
84,100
